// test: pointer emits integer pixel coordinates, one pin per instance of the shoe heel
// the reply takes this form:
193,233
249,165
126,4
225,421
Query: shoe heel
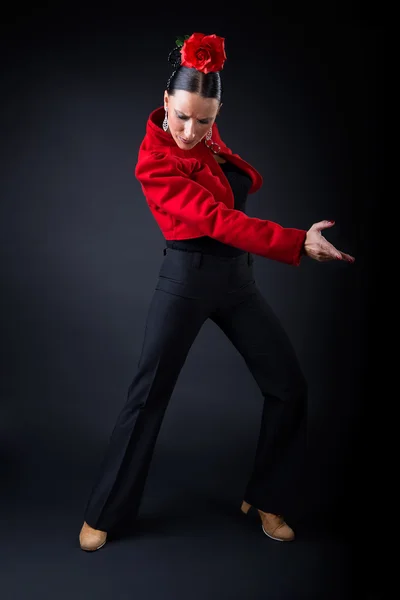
245,507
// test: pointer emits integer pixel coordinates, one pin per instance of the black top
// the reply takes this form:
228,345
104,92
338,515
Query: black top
240,183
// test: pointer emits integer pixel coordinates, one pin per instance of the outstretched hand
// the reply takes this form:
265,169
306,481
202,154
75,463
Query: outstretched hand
318,248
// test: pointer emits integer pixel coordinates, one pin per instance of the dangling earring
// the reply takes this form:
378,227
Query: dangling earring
165,122
210,144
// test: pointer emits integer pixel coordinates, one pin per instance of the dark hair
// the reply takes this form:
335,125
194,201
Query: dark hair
207,85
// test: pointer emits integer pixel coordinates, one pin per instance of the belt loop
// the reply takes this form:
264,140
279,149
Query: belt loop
165,251
250,258
196,259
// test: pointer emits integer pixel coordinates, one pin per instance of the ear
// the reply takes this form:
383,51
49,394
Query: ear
165,99
219,108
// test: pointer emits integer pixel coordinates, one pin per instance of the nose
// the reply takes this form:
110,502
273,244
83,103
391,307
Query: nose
189,131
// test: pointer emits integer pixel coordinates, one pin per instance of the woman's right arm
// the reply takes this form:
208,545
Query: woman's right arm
166,182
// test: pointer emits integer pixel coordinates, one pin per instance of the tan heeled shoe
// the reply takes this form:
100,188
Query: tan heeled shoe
91,539
273,526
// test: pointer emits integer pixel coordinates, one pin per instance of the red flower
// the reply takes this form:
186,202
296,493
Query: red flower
205,53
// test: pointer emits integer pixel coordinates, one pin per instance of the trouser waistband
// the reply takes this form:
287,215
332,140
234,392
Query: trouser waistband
197,257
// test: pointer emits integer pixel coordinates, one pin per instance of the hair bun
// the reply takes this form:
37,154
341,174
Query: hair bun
174,57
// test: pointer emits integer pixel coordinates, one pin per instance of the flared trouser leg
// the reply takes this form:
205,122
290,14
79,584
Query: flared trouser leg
279,464
172,325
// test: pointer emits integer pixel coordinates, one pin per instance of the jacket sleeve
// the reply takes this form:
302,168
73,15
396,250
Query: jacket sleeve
166,182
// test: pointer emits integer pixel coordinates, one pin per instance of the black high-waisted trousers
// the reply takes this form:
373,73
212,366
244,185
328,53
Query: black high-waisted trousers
193,287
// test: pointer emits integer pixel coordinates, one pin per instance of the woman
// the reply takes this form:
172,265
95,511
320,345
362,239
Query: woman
196,189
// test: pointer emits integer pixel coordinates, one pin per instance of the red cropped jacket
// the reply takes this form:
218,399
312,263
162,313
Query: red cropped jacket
189,196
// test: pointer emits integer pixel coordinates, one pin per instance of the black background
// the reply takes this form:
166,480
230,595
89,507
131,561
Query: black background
303,103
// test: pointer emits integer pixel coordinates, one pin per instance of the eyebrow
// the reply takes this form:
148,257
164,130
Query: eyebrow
182,113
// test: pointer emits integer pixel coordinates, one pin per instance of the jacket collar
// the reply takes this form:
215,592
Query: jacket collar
156,137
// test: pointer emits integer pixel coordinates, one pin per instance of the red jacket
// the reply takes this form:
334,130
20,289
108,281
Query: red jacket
190,196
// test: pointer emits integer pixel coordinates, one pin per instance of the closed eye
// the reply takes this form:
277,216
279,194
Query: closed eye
184,119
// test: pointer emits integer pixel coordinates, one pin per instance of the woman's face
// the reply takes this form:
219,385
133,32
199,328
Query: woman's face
189,117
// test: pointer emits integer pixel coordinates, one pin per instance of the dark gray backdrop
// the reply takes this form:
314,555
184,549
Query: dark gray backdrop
81,252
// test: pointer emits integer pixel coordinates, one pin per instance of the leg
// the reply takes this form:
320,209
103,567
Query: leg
172,325
257,334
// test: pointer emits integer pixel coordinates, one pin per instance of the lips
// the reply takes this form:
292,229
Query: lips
184,141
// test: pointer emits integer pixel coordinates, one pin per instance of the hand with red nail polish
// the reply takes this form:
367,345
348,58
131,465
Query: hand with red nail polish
318,248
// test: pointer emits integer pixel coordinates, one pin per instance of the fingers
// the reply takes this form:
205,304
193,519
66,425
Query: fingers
323,225
332,253
346,257
338,255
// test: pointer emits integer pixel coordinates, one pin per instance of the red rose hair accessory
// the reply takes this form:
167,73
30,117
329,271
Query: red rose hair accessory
206,53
